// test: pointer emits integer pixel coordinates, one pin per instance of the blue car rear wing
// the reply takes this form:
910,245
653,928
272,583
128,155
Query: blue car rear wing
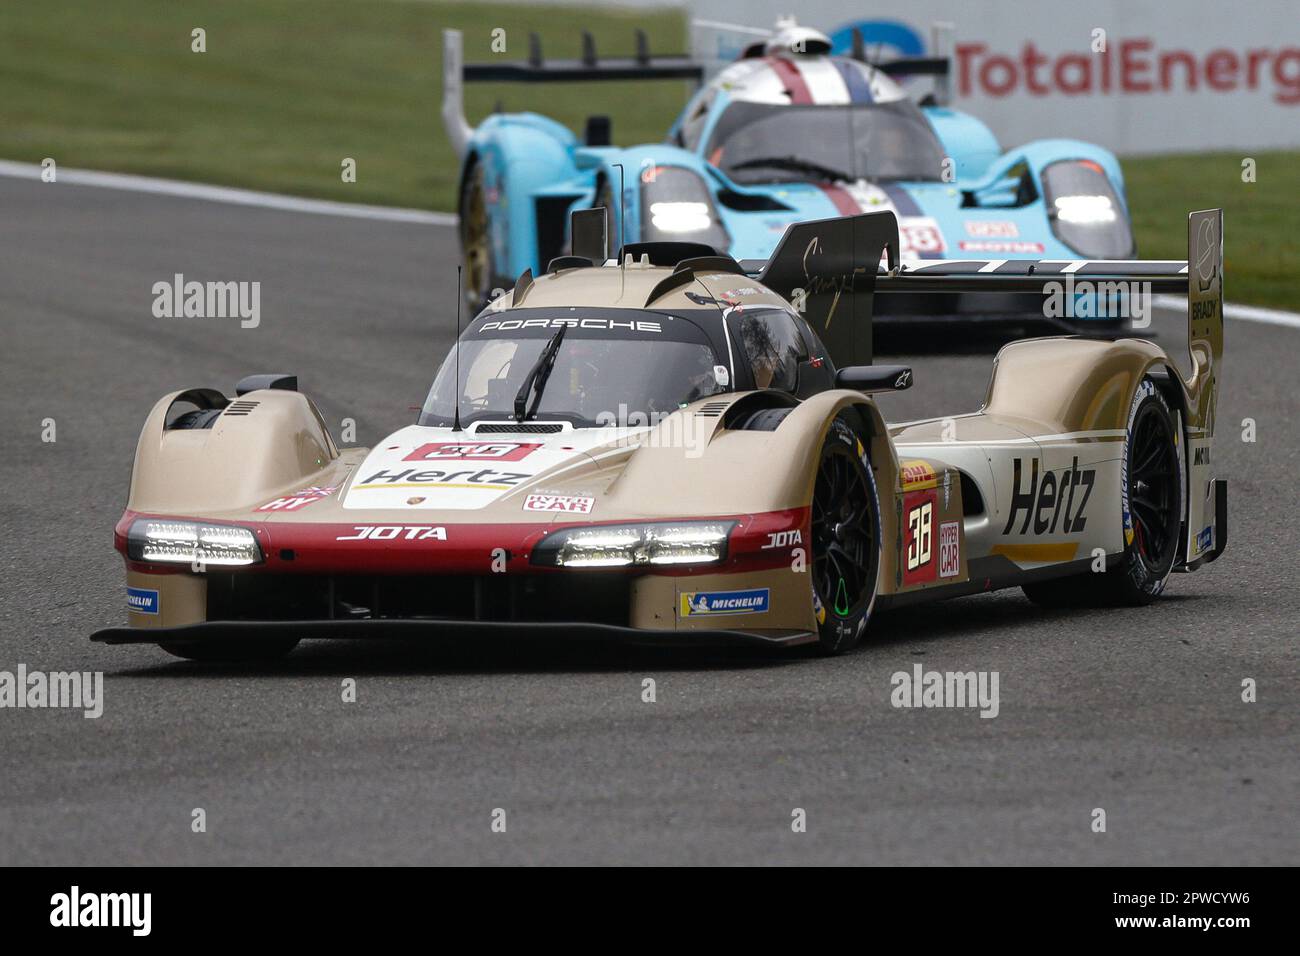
640,66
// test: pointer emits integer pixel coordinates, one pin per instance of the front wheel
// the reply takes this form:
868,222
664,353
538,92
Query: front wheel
845,540
1151,497
474,241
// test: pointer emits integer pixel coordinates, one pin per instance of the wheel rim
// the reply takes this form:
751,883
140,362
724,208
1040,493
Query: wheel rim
475,239
843,534
1153,488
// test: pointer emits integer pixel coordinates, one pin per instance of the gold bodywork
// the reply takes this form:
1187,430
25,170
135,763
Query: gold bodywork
1059,404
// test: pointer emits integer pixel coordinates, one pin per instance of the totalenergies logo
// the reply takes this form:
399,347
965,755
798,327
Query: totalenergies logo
1127,66
1132,66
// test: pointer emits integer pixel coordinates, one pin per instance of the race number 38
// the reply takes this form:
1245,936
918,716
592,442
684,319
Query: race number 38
920,235
918,542
919,524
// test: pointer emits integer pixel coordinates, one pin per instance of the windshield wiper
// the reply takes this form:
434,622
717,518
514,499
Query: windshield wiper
537,376
797,165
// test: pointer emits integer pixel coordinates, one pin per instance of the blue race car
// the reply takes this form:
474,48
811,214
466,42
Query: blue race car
787,133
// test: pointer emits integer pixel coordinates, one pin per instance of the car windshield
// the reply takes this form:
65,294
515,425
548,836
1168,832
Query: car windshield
611,367
765,143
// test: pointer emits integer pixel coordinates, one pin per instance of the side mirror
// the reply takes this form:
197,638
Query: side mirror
874,378
587,234
251,383
597,132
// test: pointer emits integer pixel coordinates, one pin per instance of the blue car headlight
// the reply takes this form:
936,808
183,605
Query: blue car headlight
1085,211
676,206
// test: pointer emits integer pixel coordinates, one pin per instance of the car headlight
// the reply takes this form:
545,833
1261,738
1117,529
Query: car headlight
677,206
159,541
1084,210
618,546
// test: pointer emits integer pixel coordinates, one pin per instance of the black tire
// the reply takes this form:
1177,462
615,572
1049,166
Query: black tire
1151,490
225,652
196,418
475,246
764,420
845,541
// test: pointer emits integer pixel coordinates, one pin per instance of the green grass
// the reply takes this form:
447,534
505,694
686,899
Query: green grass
1261,238
288,88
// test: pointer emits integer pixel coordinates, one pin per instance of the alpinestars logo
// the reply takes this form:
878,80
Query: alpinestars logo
1050,502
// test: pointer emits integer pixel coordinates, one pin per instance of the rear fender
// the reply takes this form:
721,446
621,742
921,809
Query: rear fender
1064,386
1070,384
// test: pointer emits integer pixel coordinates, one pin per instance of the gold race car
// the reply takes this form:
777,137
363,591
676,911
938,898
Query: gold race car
669,445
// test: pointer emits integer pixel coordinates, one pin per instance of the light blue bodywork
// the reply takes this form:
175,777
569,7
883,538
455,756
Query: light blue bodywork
536,172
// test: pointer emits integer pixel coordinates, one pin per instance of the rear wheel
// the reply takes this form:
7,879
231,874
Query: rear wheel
845,540
225,652
1152,506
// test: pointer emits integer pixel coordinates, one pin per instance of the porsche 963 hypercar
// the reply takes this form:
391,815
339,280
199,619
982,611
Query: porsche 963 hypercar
661,446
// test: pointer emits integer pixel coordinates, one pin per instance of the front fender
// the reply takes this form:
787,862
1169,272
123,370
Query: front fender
693,464
279,445
1040,154
966,139
637,162
523,155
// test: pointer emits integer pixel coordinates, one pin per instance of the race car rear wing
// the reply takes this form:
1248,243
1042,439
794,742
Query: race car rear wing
830,271
831,268
640,66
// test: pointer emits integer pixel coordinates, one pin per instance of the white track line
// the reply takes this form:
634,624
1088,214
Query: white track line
239,197
325,207
1237,313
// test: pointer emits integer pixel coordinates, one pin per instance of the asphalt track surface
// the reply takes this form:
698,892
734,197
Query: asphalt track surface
1136,712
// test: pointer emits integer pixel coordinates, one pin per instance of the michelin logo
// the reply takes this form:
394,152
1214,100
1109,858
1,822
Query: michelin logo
696,603
142,600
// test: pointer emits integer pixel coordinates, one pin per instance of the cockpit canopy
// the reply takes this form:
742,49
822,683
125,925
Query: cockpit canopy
611,367
789,111
879,142
618,367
